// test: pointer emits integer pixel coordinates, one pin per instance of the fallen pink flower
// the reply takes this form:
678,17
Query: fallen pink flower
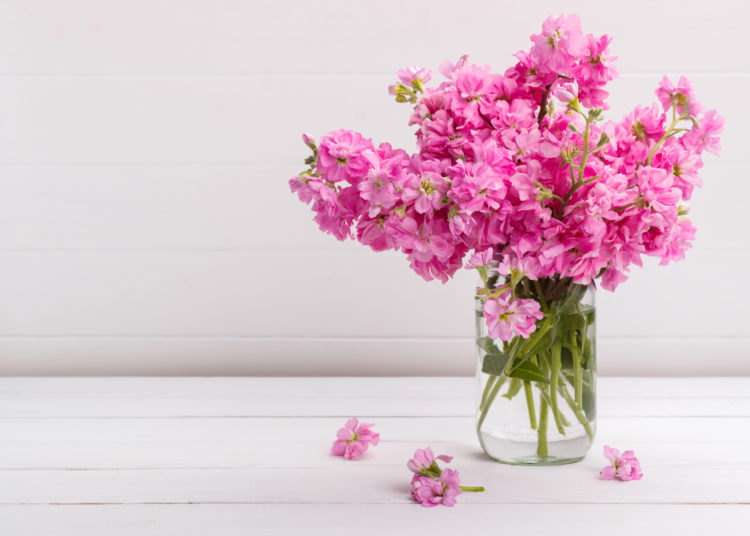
424,461
431,485
353,439
432,491
624,466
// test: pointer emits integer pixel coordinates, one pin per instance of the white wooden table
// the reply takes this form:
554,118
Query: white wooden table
249,456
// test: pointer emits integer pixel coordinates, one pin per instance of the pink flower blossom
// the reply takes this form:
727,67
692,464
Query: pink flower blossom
353,439
508,317
344,155
480,258
410,75
433,491
559,45
706,136
431,485
424,459
681,97
625,466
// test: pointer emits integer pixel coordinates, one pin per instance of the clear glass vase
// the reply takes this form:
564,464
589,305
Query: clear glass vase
536,402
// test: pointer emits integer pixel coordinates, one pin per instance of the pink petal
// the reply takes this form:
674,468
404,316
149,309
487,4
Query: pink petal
338,448
610,453
608,473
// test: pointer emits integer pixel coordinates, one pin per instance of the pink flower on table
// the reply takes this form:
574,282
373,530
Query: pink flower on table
624,466
424,459
432,491
507,317
431,485
354,439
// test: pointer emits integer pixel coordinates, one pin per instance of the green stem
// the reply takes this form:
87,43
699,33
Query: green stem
541,448
555,365
515,349
471,488
483,415
578,384
540,295
490,381
530,403
666,135
577,412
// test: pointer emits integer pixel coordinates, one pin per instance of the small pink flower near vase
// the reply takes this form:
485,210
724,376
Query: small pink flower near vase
354,439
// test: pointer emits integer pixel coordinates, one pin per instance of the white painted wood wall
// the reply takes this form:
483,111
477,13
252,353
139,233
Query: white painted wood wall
146,226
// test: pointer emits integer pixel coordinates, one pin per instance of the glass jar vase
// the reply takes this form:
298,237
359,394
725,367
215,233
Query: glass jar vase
536,402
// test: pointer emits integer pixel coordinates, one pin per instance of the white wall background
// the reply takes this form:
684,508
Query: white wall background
146,226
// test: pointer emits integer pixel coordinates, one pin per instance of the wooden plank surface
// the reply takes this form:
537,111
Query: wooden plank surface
372,519
182,455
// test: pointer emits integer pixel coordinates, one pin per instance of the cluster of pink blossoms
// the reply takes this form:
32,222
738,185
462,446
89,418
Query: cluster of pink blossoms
430,485
354,439
521,169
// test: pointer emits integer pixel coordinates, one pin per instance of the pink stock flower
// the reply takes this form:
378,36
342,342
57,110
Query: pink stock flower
559,45
566,92
344,155
597,66
410,75
508,317
488,176
433,491
706,136
681,97
480,258
424,459
447,68
353,439
625,467
431,485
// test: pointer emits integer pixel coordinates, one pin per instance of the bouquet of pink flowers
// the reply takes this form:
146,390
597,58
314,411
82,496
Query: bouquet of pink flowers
520,173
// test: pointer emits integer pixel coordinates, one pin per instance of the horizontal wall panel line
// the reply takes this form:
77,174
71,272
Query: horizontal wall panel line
374,75
433,356
211,250
335,340
334,251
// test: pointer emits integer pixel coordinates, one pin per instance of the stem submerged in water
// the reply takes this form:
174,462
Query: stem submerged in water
530,403
541,447
557,355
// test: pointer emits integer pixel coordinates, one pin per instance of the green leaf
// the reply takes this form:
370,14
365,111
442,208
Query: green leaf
486,344
570,322
542,345
494,364
529,371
